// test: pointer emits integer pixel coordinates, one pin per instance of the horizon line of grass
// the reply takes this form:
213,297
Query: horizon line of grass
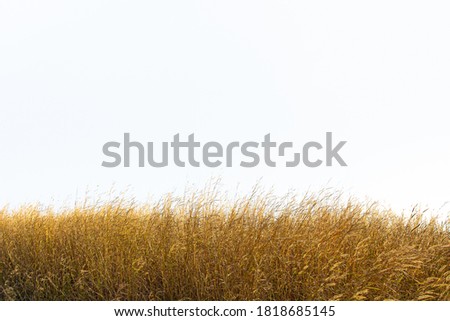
202,247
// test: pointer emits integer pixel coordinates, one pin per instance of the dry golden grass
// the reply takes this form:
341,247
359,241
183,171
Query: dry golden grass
201,248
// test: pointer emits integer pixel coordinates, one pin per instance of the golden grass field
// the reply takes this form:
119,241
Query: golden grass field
202,248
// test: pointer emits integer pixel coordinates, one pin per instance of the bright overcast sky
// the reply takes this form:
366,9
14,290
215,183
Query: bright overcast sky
76,74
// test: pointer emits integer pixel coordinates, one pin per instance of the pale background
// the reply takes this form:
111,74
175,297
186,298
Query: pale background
76,74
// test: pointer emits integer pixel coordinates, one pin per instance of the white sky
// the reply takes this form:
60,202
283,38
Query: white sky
76,74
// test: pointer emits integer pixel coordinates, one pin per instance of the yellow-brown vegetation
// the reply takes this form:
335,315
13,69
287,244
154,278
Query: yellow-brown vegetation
203,248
